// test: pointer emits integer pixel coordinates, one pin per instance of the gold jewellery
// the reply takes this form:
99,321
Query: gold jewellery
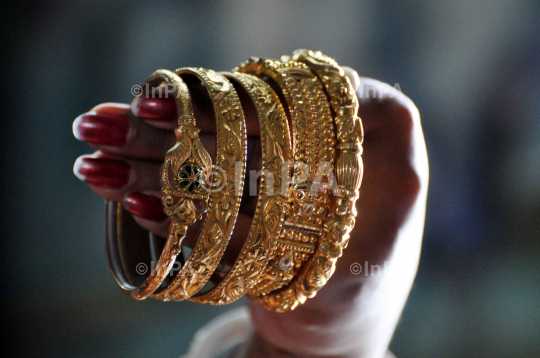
314,137
261,242
311,145
224,201
349,170
184,212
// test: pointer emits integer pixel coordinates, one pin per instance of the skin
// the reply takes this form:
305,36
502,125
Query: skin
353,315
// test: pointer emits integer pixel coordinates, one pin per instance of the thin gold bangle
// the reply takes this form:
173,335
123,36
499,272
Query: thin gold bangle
349,169
226,192
261,241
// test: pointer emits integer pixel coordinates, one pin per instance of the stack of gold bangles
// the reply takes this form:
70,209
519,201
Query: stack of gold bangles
311,144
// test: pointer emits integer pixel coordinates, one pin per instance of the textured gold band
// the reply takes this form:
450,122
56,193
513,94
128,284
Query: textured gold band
312,128
260,244
227,187
180,221
349,169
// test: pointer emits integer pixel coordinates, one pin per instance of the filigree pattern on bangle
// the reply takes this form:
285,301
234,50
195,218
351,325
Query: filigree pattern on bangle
226,188
314,138
349,169
183,212
260,244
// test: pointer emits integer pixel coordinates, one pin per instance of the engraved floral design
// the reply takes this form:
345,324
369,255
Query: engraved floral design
225,197
231,110
252,259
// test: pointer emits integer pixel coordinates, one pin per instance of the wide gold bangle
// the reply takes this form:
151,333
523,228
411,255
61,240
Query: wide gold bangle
348,169
183,212
312,128
261,241
226,187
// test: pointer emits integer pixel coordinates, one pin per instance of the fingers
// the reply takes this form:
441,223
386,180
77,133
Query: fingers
113,177
385,107
112,128
146,207
143,129
159,112
147,211
136,184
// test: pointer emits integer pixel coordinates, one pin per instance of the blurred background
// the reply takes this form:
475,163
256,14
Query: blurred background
472,68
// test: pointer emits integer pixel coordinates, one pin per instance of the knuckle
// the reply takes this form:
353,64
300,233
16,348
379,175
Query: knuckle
394,119
388,104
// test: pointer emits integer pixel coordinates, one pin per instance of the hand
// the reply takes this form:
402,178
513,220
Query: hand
356,313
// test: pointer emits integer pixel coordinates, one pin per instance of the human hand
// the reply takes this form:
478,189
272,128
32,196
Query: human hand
354,315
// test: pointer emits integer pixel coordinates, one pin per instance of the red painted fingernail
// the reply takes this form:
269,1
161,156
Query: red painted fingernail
112,109
155,109
107,173
102,129
145,206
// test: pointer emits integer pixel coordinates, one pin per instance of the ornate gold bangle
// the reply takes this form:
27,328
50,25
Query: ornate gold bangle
337,226
183,213
312,128
260,244
293,245
226,192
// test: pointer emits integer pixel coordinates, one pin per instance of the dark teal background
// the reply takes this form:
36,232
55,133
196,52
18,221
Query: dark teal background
472,67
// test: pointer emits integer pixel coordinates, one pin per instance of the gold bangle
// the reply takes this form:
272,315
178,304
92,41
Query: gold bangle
225,200
184,213
291,250
261,241
349,169
312,127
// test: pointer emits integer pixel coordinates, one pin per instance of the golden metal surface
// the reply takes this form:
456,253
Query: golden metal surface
314,141
260,244
348,169
225,201
293,244
183,213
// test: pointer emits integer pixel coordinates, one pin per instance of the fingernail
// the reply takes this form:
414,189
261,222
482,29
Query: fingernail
145,206
102,129
112,109
107,173
155,109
